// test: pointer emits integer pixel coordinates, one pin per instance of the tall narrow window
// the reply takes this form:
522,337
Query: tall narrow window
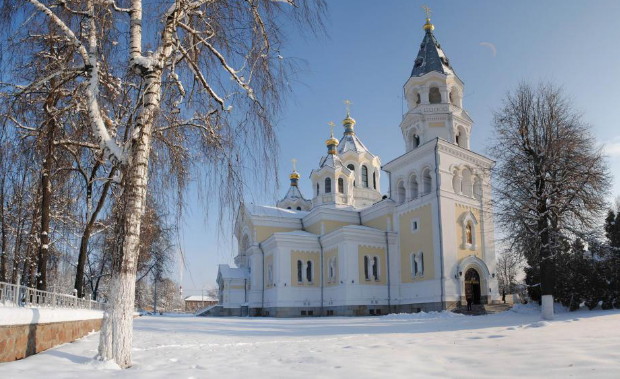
401,192
328,185
270,275
364,176
309,272
317,189
414,264
374,180
375,268
366,268
421,263
415,141
434,96
340,185
300,277
427,181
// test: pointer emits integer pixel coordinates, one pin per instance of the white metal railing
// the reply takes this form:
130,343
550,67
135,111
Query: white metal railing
22,296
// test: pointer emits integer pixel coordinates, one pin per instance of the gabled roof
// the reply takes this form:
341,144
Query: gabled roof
227,272
293,194
331,160
431,57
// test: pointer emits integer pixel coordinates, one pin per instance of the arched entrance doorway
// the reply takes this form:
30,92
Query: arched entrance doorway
472,285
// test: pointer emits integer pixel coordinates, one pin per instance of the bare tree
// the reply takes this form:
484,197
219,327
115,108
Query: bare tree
552,179
508,265
206,89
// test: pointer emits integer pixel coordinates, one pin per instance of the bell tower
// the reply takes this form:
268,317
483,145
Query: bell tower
434,95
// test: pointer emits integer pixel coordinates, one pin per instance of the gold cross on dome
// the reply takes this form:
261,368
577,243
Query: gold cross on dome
348,105
294,164
427,10
331,127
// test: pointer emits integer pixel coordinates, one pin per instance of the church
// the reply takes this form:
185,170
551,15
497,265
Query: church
349,250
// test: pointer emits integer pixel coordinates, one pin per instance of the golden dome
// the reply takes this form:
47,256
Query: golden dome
348,120
331,141
294,175
428,25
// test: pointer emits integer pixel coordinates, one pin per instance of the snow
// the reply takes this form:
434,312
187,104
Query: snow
200,298
23,316
509,344
266,210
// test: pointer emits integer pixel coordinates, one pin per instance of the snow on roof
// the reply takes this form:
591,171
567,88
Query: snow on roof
350,142
298,233
267,210
200,298
233,272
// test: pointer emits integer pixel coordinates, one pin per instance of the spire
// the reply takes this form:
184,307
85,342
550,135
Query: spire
293,199
430,56
350,142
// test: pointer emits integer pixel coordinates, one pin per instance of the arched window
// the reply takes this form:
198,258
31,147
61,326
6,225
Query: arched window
309,272
414,264
300,277
364,176
466,184
401,192
375,268
469,233
270,275
415,140
477,188
328,185
413,185
374,180
434,96
317,189
420,259
288,207
426,177
366,268
340,185
457,138
298,208
332,269
351,167
456,182
417,98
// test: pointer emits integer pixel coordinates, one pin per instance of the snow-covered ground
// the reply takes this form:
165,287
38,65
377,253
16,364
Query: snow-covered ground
510,344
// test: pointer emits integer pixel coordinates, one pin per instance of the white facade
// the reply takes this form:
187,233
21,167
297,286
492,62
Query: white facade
427,246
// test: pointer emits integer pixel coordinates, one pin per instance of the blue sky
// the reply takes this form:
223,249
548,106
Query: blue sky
368,55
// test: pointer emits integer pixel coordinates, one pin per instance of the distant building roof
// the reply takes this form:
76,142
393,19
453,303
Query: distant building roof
200,298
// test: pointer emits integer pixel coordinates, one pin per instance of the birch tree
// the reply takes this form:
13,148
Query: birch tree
551,179
200,80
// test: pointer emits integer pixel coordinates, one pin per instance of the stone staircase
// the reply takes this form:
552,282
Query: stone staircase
482,309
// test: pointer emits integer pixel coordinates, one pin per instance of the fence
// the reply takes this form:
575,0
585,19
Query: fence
22,296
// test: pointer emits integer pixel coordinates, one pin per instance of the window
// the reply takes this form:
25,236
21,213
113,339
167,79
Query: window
364,176
366,268
417,98
457,137
466,183
299,272
332,269
340,185
309,272
288,207
434,96
421,263
317,189
270,275
427,181
298,208
477,188
351,167
415,224
415,141
413,185
374,180
375,268
328,185
417,264
414,265
401,192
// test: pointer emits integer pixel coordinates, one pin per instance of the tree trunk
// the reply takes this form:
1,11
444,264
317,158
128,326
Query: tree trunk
117,328
3,253
79,276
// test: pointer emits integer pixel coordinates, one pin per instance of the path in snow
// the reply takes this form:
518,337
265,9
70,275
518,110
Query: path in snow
508,344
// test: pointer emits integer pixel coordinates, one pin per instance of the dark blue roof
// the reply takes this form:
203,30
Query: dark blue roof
431,57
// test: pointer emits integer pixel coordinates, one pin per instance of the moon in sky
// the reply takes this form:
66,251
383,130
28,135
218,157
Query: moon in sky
490,46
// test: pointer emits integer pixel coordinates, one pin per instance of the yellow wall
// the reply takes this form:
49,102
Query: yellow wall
268,261
329,226
378,223
237,287
372,252
421,240
462,251
305,256
264,232
327,255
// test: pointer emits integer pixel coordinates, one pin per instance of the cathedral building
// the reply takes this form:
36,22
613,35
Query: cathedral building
427,245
